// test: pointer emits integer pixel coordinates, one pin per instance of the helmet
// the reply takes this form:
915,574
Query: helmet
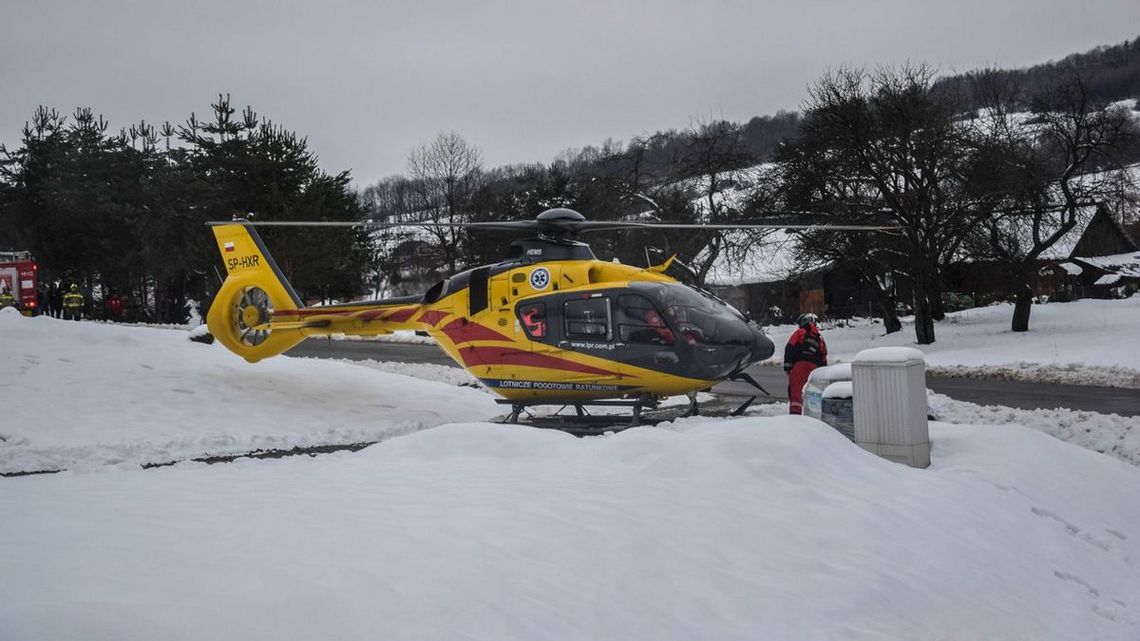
74,287
807,320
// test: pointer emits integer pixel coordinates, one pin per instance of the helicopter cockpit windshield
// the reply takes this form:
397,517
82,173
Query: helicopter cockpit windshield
700,319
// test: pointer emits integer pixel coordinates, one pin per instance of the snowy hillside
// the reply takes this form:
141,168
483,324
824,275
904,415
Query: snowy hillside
759,528
1088,342
90,394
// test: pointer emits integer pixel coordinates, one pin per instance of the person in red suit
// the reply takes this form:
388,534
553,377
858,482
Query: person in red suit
115,307
805,351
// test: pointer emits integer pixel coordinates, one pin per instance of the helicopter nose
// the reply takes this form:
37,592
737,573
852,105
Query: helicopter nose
762,346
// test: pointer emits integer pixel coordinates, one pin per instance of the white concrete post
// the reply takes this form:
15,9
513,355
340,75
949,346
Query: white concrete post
890,404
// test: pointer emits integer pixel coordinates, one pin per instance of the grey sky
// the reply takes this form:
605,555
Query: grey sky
368,81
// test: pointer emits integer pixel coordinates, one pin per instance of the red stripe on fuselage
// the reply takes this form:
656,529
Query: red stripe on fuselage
462,331
401,315
431,317
473,356
313,311
397,316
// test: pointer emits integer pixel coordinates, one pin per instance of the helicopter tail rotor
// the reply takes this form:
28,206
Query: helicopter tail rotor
255,290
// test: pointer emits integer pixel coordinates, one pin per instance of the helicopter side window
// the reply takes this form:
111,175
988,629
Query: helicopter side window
588,318
640,322
533,318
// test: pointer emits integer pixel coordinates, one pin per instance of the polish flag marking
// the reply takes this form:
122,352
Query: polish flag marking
229,247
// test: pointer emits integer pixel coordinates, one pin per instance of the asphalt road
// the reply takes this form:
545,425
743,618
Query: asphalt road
984,391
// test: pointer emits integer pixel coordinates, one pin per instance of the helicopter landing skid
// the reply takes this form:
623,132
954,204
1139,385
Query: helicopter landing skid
581,422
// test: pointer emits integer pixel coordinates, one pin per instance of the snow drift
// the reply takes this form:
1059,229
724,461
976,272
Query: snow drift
91,394
753,528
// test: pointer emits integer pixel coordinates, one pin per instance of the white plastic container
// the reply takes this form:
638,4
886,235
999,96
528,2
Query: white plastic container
838,407
818,381
890,415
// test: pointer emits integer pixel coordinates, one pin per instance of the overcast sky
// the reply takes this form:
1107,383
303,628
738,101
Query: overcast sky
369,81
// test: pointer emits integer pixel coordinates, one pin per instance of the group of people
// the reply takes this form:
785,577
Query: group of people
58,301
54,300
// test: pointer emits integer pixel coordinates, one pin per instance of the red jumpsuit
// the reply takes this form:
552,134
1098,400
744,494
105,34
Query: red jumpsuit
804,352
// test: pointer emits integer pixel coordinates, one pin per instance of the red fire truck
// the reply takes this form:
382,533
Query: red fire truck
18,274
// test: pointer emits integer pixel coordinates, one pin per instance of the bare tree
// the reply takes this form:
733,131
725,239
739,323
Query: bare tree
641,175
1037,176
445,174
891,134
720,170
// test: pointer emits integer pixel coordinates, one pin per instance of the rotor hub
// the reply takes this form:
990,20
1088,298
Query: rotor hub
250,316
560,214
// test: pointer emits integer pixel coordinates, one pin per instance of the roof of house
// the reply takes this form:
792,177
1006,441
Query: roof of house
1065,245
1125,265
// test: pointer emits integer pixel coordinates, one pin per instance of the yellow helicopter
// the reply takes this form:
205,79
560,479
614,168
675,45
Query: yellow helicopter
550,324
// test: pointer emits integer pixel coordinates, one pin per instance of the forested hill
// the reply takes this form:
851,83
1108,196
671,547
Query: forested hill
1111,72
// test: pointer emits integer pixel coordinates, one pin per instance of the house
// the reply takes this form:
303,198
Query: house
767,280
773,282
1102,260
1097,258
1067,270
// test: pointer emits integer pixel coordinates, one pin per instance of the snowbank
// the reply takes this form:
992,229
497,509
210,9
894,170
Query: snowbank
1110,434
756,528
1088,342
90,394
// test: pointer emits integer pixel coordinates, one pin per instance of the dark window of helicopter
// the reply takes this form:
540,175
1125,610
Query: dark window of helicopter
640,322
698,318
588,318
533,318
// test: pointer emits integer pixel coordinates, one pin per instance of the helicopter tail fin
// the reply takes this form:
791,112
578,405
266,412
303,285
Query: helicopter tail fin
254,290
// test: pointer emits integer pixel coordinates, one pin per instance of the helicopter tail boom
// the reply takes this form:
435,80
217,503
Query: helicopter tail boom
255,289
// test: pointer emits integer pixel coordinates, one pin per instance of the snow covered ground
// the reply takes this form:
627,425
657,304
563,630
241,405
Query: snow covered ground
752,528
93,394
1088,342
88,395
1110,434
758,527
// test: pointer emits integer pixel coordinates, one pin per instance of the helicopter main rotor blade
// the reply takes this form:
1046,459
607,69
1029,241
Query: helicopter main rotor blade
573,227
507,225
605,225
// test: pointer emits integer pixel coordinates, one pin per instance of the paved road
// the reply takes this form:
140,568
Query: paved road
1107,400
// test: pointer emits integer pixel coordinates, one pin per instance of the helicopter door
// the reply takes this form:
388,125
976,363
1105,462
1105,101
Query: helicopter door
588,326
538,319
